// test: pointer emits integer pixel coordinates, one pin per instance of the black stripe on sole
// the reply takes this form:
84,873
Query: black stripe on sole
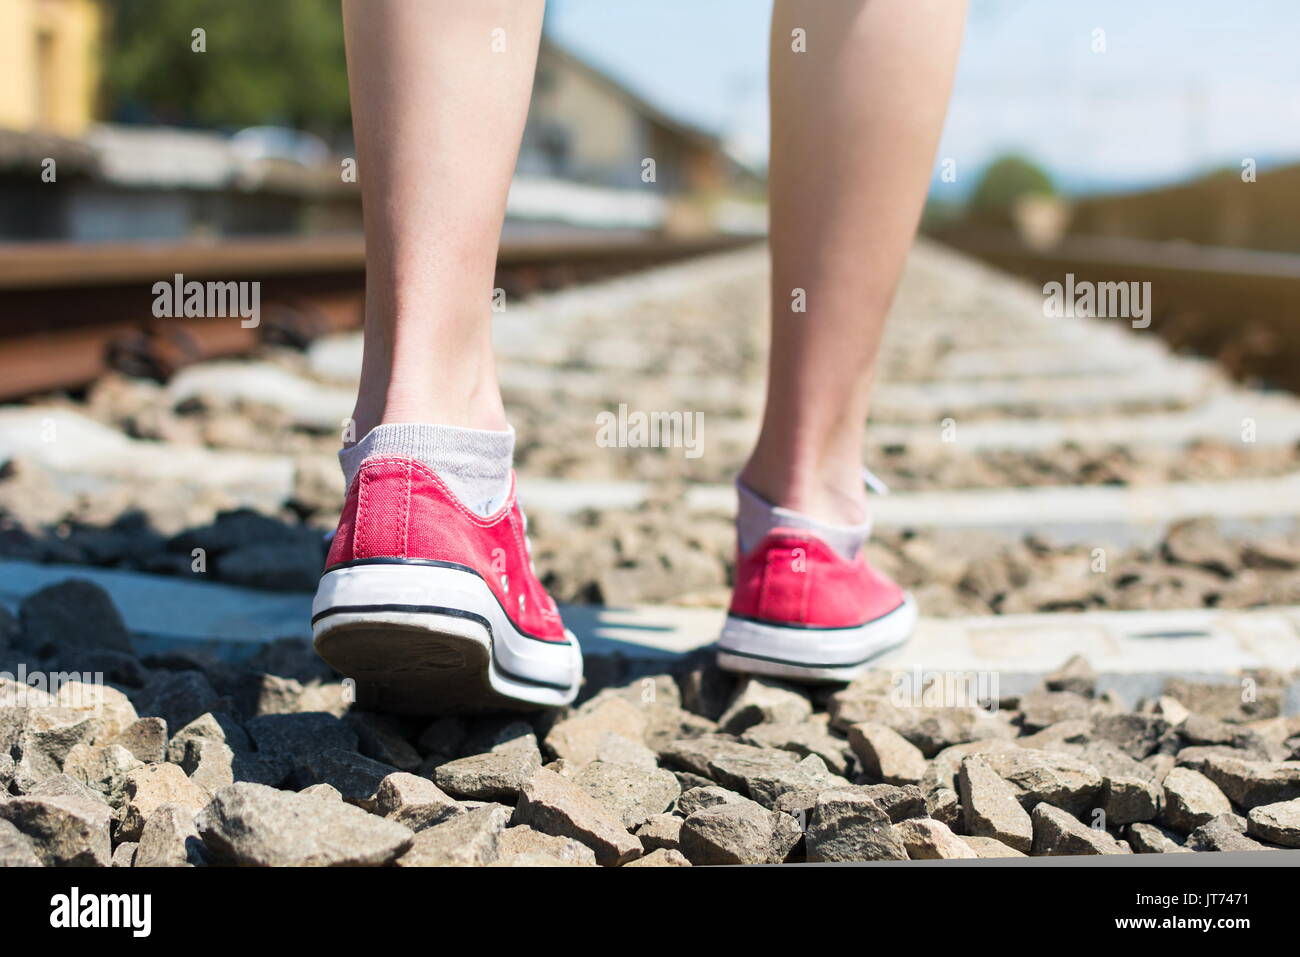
434,563
794,626
811,664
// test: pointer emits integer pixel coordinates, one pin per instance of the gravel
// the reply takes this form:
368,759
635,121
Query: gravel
640,769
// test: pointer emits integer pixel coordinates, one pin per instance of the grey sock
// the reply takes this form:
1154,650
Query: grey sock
473,463
757,516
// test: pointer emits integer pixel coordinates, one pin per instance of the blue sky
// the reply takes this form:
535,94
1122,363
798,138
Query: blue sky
1182,87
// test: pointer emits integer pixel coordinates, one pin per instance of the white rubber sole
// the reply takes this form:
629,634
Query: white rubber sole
812,654
426,638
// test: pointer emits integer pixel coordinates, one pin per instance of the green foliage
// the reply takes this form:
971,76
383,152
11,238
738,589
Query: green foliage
267,61
1006,181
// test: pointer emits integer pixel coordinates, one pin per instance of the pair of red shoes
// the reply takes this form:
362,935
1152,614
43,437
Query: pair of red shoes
433,608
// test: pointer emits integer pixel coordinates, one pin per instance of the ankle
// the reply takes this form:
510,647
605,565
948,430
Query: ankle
468,401
832,494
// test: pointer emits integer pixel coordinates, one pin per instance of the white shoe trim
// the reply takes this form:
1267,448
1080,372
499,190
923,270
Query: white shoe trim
451,601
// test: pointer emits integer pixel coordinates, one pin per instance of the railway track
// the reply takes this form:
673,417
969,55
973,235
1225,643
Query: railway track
1239,307
69,312
1042,513
1017,446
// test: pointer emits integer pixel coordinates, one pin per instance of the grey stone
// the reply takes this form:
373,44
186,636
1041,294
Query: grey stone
710,795
1226,701
145,738
493,776
1191,799
1042,709
929,728
414,801
943,767
991,847
15,848
102,769
758,773
1076,731
178,697
381,737
148,788
211,765
498,734
705,688
1058,832
170,839
616,749
661,857
65,785
252,824
927,839
579,737
64,830
885,755
991,806
1137,735
742,832
1130,792
805,738
944,805
846,824
323,790
110,711
45,736
290,741
1151,839
1197,730
124,854
71,615
899,802
763,701
1276,823
1252,783
554,805
632,793
353,775
466,840
523,840
660,831
209,727
1221,834
282,566
1059,779
443,737
1075,675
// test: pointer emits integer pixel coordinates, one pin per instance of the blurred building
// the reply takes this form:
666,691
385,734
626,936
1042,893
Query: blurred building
585,160
49,64
585,126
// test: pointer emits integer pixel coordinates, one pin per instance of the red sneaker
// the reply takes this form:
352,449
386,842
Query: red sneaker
432,608
800,611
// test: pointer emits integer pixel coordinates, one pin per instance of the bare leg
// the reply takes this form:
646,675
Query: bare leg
438,113
855,123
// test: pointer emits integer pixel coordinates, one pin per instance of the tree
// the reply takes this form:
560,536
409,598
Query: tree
1008,180
266,61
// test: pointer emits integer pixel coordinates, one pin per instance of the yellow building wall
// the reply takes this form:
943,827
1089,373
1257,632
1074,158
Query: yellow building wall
604,130
49,64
